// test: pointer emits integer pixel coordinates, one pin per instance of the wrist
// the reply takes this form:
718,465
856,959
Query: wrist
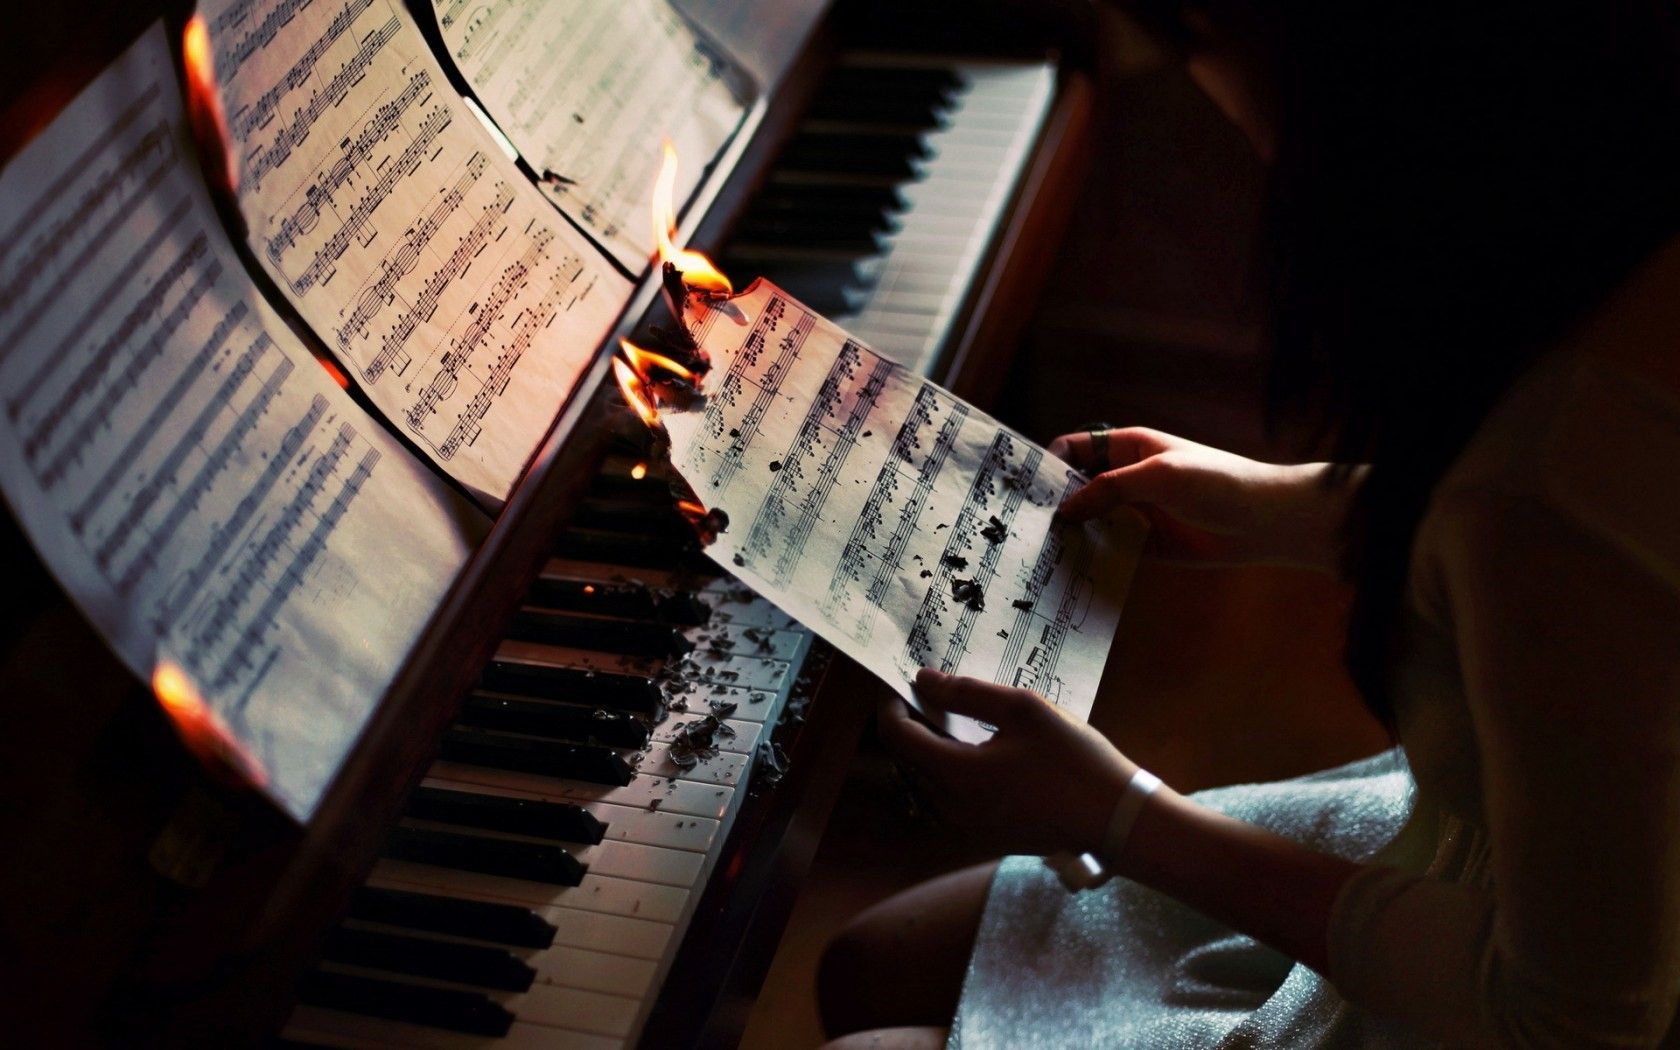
1314,510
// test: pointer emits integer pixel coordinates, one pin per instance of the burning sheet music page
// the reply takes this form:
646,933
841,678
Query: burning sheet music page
455,295
905,526
238,529
585,90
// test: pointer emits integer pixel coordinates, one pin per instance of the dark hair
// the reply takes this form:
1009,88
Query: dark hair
1455,185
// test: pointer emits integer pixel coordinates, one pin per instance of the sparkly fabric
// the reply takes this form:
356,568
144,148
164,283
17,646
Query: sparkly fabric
1124,966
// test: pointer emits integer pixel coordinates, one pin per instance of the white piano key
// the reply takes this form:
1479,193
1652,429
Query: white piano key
731,637
751,705
752,672
739,669
576,1008
627,823
594,971
555,1005
642,900
647,790
723,768
336,1028
743,741
612,858
573,927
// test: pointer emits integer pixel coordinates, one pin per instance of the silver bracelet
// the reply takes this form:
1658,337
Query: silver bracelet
1138,789
1084,871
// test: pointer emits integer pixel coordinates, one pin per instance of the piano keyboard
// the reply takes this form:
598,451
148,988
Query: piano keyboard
543,875
880,210
538,887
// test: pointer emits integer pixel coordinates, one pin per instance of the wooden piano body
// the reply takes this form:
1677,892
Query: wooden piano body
147,904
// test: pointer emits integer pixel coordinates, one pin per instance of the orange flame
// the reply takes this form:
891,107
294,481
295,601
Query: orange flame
636,392
697,271
645,362
693,510
203,732
204,103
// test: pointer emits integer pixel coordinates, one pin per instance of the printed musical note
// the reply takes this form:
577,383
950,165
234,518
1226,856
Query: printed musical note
906,527
586,91
163,443
404,236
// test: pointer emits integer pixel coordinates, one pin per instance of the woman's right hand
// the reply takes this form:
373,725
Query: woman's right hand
1208,507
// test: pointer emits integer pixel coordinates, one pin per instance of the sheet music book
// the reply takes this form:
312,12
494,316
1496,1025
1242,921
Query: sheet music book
185,467
445,282
586,90
906,527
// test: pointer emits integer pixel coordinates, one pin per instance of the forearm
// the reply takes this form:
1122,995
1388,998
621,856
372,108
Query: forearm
1254,881
1308,522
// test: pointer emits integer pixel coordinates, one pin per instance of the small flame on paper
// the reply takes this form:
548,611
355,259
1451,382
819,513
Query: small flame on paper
200,729
698,273
204,103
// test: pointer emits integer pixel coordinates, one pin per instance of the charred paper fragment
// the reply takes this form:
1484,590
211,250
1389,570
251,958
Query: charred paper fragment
995,531
969,593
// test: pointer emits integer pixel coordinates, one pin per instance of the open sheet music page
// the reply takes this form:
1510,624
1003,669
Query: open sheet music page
451,290
585,89
185,467
905,526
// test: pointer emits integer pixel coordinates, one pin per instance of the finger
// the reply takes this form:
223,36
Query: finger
1145,482
997,704
1105,448
914,741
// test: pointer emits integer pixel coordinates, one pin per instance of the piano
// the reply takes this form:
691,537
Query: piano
580,815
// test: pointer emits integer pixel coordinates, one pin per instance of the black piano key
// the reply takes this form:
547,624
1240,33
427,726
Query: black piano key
534,861
777,213
550,718
650,488
508,924
522,816
854,98
634,517
800,197
917,81
630,600
637,694
549,758
813,232
471,1012
894,157
421,957
642,552
624,637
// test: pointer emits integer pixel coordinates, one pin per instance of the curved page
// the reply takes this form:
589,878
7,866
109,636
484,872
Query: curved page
905,526
187,470
586,91
452,291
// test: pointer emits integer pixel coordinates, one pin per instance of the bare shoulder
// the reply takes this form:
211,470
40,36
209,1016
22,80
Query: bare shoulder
1637,330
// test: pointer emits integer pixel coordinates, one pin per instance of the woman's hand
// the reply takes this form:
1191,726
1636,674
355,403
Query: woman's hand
1208,507
1044,784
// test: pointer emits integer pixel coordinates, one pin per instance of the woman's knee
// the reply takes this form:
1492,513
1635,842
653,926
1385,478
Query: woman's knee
917,1038
901,962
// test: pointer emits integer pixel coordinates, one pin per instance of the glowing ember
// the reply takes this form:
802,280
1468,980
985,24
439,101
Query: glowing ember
646,362
698,273
204,734
639,471
636,393
204,103
691,509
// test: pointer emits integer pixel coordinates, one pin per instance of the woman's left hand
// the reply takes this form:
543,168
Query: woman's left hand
1044,784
